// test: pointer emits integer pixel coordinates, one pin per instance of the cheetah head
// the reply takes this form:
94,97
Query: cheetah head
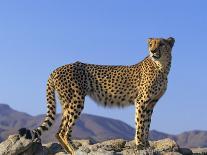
160,48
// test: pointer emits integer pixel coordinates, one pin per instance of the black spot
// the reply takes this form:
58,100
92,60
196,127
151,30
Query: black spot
50,102
75,116
49,123
51,108
26,132
38,131
51,117
63,131
28,135
78,106
53,112
44,128
36,135
22,131
66,106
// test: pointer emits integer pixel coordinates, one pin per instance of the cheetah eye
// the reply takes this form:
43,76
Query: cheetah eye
150,44
161,44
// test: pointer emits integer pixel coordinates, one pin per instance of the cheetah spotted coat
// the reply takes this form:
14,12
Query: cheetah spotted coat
141,85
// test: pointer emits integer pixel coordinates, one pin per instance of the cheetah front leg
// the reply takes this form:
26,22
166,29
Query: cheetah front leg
148,114
140,115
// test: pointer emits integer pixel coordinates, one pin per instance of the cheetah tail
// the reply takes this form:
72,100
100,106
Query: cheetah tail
51,110
50,116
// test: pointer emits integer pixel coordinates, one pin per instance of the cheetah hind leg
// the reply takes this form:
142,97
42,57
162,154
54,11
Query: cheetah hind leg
62,138
70,115
64,143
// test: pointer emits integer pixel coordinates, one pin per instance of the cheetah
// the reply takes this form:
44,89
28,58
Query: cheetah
141,85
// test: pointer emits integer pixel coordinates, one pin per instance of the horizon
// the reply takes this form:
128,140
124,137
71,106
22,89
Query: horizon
37,37
106,117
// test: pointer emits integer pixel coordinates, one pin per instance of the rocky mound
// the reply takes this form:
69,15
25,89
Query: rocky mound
20,145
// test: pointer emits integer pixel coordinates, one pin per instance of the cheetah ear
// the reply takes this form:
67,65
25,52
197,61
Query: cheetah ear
171,41
149,40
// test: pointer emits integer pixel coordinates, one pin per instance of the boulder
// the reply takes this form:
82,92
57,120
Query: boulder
199,150
16,144
165,145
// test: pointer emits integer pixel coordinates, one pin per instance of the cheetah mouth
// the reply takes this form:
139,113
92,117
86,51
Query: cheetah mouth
156,55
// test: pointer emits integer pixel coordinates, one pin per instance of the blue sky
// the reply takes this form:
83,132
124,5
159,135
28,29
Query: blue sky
38,36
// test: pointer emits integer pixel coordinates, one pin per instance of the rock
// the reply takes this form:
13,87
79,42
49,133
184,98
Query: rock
15,145
80,152
102,152
53,148
165,145
199,150
130,144
36,149
20,145
84,142
84,149
111,145
139,152
171,153
185,151
62,153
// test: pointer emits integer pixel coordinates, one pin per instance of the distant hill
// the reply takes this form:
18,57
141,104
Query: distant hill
90,127
87,127
191,139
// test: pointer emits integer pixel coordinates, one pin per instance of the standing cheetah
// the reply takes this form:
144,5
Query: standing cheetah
141,84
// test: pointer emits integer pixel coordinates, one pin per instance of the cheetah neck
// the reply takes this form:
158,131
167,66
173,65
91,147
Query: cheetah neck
163,65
